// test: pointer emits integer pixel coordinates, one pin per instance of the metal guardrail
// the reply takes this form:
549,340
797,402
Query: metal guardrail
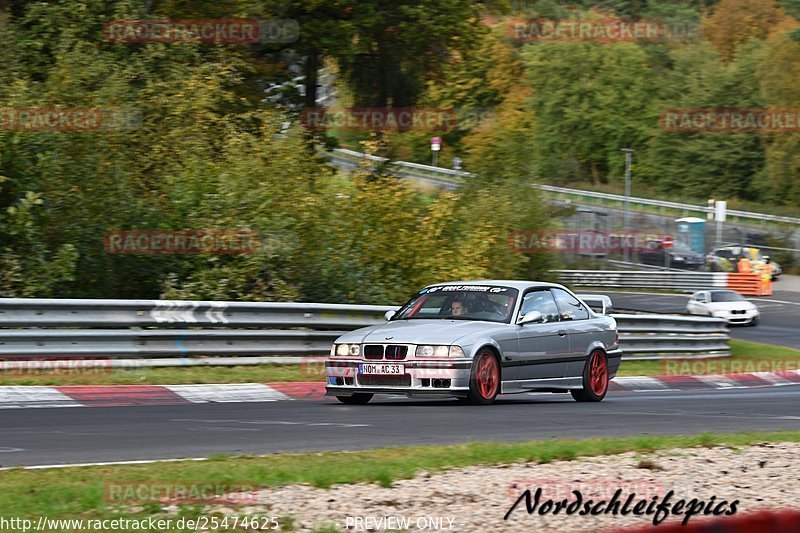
26,312
441,177
678,281
37,328
451,179
660,336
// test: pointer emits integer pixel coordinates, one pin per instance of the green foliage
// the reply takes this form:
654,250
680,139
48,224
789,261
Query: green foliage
707,164
190,145
590,100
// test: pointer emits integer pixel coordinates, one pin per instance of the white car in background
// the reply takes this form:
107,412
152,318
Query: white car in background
726,304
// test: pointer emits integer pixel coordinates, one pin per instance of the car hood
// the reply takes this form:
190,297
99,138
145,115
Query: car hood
437,331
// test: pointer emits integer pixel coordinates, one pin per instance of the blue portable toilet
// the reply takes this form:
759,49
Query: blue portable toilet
692,232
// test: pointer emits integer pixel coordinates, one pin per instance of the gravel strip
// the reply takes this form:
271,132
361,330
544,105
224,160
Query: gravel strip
477,498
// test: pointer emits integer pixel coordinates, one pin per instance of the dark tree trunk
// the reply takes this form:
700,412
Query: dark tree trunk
311,73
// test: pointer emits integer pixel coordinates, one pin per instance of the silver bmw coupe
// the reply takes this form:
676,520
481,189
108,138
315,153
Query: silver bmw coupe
476,339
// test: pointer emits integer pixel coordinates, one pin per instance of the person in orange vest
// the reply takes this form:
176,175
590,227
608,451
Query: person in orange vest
744,266
766,277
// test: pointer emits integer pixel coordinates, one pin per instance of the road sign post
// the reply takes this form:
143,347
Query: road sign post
720,212
666,245
436,146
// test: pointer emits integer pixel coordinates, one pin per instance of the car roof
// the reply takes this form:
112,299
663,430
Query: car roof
516,284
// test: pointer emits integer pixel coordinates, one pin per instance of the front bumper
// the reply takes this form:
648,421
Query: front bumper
431,378
731,318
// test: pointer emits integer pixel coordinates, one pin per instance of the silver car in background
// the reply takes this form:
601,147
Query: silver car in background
476,339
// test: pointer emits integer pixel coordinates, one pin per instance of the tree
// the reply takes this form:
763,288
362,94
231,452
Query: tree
778,74
734,22
590,100
702,164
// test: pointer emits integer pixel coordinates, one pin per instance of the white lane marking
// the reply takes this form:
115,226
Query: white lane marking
21,396
720,381
11,450
228,393
268,423
641,383
108,463
776,301
773,378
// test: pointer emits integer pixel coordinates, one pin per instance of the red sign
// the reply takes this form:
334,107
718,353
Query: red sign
667,242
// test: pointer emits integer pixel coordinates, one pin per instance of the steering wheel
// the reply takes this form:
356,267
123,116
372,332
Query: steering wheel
497,311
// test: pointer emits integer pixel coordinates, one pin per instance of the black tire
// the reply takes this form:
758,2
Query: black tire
755,321
360,398
592,390
484,387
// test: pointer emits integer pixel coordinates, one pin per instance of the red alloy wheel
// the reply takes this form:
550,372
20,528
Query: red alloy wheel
598,374
487,376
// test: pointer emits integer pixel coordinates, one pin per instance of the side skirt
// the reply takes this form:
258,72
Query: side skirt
565,384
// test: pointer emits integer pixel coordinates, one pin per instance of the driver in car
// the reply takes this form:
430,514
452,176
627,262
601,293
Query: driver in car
457,308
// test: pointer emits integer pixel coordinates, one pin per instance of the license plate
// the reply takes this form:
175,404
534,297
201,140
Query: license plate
374,368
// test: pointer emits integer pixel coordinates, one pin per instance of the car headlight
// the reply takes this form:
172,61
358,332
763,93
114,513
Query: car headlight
439,351
456,351
678,258
348,349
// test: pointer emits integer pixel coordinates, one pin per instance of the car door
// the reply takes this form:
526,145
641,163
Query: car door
543,346
581,331
704,303
697,305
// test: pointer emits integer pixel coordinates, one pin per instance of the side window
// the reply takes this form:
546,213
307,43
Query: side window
570,307
542,301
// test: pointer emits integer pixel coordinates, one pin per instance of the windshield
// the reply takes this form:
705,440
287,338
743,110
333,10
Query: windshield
461,302
726,297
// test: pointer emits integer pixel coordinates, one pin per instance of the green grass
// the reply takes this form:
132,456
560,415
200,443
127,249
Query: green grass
745,357
80,492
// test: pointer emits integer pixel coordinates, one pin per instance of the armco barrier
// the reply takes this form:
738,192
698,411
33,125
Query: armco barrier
451,179
661,336
644,279
79,329
750,284
36,312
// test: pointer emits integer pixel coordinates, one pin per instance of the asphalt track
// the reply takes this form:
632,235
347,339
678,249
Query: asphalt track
780,313
67,436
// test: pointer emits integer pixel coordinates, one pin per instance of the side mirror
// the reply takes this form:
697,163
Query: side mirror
389,314
532,316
